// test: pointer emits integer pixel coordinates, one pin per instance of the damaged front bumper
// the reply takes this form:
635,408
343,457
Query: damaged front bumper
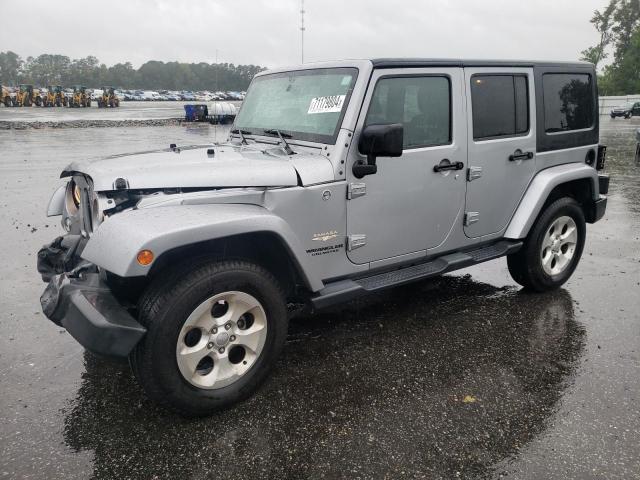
82,302
61,255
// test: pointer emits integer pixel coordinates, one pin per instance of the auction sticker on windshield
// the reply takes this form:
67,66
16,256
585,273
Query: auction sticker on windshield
329,104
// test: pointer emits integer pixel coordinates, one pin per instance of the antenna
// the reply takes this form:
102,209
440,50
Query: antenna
302,29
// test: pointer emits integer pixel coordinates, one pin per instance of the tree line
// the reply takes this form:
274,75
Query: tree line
52,69
618,26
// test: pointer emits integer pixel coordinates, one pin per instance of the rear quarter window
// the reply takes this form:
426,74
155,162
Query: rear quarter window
568,102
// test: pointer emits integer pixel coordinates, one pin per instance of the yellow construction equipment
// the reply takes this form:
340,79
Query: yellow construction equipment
55,97
80,98
27,96
5,99
108,98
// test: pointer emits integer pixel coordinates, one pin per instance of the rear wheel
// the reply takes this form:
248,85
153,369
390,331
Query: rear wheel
552,250
214,330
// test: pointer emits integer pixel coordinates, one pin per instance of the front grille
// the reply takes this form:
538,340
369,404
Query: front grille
85,211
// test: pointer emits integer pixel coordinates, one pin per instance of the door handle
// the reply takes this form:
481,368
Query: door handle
449,166
520,155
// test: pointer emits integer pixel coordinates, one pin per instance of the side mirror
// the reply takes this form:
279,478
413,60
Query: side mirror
378,141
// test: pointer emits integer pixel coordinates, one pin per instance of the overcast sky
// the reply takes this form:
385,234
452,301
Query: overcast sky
266,32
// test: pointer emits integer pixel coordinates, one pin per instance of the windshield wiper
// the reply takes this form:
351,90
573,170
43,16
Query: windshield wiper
282,136
241,133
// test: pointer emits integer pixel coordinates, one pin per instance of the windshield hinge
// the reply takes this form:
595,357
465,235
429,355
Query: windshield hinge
356,190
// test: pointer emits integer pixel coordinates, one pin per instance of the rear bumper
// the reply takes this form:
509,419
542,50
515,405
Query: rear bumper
603,184
596,210
87,309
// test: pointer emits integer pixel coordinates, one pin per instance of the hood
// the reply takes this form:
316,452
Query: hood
193,167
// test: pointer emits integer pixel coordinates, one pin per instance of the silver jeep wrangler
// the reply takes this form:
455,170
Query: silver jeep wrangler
337,179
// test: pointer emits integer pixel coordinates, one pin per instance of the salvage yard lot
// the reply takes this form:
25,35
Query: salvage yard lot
462,376
126,111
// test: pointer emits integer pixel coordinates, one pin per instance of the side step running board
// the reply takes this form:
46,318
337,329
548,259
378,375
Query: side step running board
345,290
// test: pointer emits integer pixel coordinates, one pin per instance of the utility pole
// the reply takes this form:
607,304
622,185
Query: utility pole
302,30
217,68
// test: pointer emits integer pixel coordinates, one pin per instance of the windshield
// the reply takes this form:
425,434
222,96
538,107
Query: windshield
305,104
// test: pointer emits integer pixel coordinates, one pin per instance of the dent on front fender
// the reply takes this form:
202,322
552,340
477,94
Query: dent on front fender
115,244
538,192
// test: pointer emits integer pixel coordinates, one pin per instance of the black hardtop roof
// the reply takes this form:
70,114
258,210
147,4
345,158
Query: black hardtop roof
453,62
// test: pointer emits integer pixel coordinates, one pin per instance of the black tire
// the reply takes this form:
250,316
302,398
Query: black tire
167,303
7,101
525,266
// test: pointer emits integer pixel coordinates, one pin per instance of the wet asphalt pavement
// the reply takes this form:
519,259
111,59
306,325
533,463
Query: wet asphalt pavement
462,377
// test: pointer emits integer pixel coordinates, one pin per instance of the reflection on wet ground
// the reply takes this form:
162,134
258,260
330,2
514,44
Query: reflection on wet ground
442,378
462,377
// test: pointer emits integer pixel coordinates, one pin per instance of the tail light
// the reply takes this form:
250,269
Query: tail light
602,153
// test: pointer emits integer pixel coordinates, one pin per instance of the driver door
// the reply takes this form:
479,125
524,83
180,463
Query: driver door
407,207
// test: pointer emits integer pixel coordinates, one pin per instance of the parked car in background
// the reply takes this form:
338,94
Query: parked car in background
626,111
187,96
149,95
235,95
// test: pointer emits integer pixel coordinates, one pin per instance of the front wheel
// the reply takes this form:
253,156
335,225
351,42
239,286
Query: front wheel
214,330
552,250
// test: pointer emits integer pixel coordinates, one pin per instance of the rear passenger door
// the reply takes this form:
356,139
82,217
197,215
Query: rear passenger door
501,145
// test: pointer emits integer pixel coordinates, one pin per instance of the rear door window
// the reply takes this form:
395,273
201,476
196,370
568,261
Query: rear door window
500,105
568,102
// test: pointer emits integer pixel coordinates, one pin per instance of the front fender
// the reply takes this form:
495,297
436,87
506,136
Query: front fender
115,244
538,192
